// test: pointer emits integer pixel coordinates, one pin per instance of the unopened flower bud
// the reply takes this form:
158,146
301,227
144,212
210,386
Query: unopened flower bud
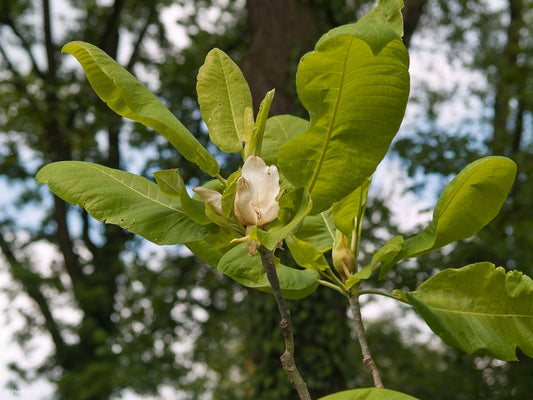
343,257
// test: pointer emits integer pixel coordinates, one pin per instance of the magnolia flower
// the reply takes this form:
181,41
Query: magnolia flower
211,196
257,189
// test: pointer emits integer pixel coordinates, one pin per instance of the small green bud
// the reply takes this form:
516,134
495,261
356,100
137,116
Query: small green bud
343,257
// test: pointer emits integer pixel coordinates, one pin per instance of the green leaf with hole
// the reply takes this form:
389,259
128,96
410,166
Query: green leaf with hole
368,394
479,309
223,95
356,100
124,199
128,97
249,271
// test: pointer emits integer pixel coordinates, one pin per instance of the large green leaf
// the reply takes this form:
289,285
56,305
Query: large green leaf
223,95
468,203
318,230
377,27
129,98
368,394
356,100
249,271
279,129
305,254
479,309
171,183
123,199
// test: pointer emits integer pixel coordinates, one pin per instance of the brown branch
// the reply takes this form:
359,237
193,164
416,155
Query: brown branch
26,45
287,358
140,37
48,42
360,329
72,262
109,39
18,80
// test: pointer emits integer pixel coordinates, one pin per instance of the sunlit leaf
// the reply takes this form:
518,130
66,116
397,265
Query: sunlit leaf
256,139
128,97
223,95
468,203
479,309
356,100
123,199
377,27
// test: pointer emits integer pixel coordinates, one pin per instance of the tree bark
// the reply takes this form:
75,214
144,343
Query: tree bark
280,31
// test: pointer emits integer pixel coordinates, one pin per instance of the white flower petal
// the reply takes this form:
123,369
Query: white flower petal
211,196
257,189
270,215
244,196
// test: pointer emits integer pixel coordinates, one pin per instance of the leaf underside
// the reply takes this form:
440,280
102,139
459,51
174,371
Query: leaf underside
128,97
121,198
479,309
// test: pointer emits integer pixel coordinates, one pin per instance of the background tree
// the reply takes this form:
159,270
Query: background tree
134,306
129,311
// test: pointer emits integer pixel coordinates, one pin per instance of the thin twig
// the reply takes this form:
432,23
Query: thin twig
287,358
385,294
360,329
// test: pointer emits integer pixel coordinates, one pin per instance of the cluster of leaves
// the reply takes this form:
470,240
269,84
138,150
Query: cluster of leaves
355,86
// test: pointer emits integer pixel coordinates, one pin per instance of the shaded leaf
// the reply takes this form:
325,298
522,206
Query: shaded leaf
362,274
171,183
128,97
386,254
278,130
349,208
479,309
318,230
121,198
305,254
249,271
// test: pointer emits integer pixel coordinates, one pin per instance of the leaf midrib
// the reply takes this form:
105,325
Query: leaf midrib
227,87
332,121
133,189
483,314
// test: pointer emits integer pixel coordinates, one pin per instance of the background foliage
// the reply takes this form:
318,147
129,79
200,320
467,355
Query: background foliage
121,314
